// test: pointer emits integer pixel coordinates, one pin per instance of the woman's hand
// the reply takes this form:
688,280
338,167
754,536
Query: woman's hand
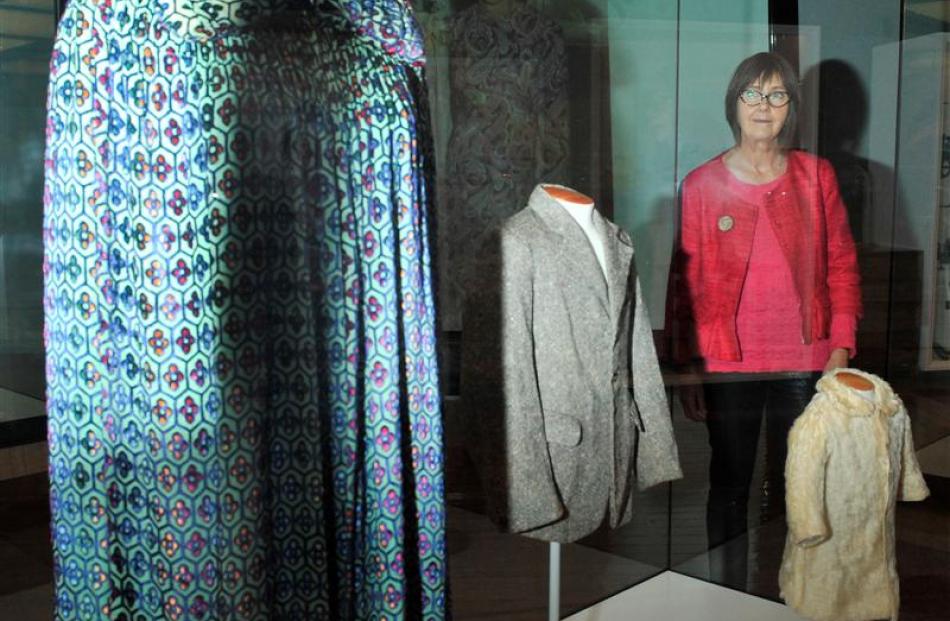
837,360
693,401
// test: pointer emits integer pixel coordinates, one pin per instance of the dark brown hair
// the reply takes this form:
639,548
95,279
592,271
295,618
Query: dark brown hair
764,65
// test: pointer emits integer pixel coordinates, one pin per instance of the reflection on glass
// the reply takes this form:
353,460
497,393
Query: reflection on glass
620,100
921,223
760,305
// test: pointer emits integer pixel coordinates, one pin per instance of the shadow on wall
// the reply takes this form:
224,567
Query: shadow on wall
867,186
887,334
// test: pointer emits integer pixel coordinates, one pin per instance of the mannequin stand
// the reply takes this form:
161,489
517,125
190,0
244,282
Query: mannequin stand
554,582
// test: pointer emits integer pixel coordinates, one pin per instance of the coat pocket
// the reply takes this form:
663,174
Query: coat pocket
563,433
562,429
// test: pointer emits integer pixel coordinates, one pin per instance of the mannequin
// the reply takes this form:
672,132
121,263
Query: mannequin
851,457
568,195
562,433
581,208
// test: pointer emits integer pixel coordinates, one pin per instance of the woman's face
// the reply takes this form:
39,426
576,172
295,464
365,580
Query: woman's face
761,122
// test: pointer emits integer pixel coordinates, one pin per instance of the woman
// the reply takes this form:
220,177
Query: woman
768,289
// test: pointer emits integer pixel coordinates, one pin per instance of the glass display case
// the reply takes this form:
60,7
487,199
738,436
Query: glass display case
621,101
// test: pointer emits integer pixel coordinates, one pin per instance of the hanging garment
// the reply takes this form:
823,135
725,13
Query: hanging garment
850,457
560,377
509,128
244,415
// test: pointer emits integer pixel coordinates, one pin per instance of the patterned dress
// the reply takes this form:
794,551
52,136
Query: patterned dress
244,412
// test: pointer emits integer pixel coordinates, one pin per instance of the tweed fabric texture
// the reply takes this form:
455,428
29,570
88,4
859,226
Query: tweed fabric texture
560,378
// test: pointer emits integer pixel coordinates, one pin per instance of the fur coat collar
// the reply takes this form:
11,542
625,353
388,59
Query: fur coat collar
881,401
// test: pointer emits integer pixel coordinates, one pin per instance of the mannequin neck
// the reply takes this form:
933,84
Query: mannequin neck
581,209
853,380
581,212
580,206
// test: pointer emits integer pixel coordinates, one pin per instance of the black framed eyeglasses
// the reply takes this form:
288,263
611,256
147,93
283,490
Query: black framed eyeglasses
753,97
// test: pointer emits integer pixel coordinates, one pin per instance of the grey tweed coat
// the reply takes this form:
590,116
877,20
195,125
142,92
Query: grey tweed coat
560,379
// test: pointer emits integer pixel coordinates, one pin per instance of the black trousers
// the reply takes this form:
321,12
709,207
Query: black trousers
735,412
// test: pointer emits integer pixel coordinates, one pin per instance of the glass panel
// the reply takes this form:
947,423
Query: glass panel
26,31
623,102
918,365
525,93
873,106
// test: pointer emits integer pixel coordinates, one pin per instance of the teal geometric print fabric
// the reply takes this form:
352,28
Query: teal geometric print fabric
244,411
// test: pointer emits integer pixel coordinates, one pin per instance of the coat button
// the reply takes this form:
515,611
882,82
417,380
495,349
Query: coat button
726,223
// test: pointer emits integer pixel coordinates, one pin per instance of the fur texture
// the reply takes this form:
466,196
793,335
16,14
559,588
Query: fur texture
850,457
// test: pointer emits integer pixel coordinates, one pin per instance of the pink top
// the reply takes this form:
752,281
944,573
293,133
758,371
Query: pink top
768,322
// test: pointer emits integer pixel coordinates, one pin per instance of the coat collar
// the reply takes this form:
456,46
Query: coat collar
575,252
850,401
554,215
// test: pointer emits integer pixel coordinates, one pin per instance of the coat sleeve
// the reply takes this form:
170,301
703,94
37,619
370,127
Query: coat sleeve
805,478
912,484
657,455
844,280
500,388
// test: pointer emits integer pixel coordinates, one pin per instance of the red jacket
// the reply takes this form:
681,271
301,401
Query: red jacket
715,241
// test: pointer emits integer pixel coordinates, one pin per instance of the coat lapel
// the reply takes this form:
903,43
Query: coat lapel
574,253
618,256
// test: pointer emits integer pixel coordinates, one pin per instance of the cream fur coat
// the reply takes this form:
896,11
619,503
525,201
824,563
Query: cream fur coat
850,457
